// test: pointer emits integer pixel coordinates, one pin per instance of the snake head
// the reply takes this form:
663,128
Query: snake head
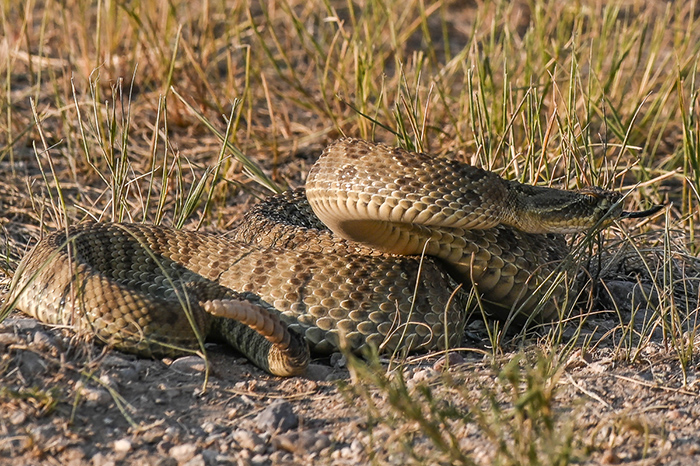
538,209
599,206
602,198
547,210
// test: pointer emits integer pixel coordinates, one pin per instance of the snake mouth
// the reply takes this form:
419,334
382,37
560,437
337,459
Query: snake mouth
642,213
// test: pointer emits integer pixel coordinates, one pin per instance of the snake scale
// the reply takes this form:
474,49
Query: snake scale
335,266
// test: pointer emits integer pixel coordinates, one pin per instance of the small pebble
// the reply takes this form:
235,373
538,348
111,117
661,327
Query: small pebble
8,339
279,456
318,372
248,440
166,461
94,396
189,365
212,457
183,453
30,363
24,324
278,417
152,435
303,442
18,417
44,342
101,460
338,360
610,457
108,380
420,376
122,446
208,427
449,360
196,461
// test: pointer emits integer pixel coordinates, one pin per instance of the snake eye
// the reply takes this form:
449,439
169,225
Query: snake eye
591,198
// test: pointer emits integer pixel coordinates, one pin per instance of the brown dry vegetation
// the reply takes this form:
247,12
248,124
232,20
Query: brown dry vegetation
116,111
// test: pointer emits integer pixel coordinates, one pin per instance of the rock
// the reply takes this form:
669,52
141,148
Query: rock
212,457
167,461
126,375
196,461
278,417
248,440
189,365
301,443
73,457
18,417
44,342
93,396
114,361
451,359
121,369
318,372
338,360
44,433
153,435
30,364
24,323
8,339
421,376
122,446
183,453
101,460
208,427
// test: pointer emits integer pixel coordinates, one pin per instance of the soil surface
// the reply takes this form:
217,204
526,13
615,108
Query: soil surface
68,401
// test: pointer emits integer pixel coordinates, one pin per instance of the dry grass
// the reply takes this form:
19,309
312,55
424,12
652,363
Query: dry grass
117,110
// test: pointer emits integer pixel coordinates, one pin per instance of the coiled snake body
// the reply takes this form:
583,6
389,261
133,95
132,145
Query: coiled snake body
283,279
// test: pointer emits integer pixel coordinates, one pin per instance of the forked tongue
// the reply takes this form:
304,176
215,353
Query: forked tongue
642,213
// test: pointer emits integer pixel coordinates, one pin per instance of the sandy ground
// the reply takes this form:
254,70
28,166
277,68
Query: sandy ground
67,401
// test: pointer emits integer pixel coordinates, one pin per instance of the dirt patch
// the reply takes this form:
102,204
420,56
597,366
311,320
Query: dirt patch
67,401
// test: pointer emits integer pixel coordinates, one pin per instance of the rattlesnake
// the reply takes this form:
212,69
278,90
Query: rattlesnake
360,284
